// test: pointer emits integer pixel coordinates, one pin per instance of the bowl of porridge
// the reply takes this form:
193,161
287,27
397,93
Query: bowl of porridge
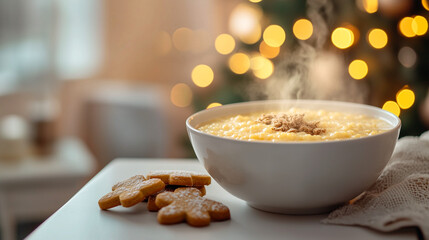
294,156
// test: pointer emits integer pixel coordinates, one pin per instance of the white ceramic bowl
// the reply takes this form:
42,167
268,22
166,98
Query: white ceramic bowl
293,177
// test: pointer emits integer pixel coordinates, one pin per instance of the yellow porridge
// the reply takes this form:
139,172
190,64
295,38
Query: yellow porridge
296,125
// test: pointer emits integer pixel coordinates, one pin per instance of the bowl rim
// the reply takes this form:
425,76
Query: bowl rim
393,129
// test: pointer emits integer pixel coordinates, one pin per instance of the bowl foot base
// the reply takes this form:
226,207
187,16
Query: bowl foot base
293,211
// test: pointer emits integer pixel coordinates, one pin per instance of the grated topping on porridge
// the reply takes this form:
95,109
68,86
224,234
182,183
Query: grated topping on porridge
291,123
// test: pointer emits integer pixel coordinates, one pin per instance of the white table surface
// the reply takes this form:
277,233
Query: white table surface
81,218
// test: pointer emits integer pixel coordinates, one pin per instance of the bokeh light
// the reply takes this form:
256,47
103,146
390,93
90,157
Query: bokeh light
370,6
254,36
407,57
405,98
425,4
224,43
342,37
262,67
212,105
419,25
244,22
182,39
303,29
377,38
358,69
181,95
405,27
239,63
392,107
202,75
255,1
274,36
268,51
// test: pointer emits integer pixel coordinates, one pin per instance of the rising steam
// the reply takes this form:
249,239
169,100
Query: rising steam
309,72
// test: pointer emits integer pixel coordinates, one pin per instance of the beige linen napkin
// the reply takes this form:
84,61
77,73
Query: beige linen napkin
400,196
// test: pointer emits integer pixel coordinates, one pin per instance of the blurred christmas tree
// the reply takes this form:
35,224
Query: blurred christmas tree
370,51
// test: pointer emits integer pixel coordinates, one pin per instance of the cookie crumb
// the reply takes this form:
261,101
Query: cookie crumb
291,123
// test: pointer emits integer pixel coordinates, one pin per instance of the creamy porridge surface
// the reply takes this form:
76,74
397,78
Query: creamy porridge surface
295,125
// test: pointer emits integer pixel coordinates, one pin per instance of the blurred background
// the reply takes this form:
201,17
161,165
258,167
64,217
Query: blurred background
83,82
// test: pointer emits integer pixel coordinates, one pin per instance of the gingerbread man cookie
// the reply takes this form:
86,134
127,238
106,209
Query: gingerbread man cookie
151,205
130,192
187,204
183,178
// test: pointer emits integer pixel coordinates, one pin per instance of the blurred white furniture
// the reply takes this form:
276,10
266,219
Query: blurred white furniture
35,187
126,121
81,218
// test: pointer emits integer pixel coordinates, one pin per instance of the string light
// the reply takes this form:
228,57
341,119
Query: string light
407,57
342,37
262,67
274,36
224,44
215,104
202,75
239,63
268,51
358,69
370,6
419,25
181,95
405,27
253,36
244,22
425,4
182,38
405,98
392,107
303,29
377,38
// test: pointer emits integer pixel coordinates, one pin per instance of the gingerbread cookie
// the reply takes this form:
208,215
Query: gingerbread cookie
183,178
151,205
187,204
130,192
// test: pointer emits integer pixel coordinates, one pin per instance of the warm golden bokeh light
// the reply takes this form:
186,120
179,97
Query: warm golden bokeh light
262,67
181,95
392,107
202,75
342,37
405,98
358,69
224,44
244,22
255,1
239,63
274,36
425,4
253,36
370,6
377,38
268,51
405,27
303,29
182,39
215,104
419,25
